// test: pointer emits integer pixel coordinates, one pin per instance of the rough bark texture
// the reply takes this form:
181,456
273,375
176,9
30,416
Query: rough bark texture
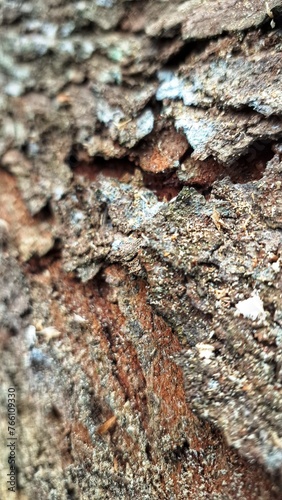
140,259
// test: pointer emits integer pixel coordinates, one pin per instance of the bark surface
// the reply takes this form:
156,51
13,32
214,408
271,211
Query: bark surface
140,248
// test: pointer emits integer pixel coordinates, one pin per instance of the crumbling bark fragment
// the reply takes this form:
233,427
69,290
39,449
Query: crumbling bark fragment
197,19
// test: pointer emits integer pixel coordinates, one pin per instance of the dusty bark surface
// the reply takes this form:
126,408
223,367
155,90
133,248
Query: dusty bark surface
140,248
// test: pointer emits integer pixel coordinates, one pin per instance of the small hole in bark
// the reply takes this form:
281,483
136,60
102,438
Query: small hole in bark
71,494
148,451
55,413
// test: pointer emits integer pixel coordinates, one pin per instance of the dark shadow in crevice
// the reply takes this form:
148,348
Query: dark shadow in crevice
113,168
194,47
165,185
179,453
272,23
251,166
45,214
37,264
76,155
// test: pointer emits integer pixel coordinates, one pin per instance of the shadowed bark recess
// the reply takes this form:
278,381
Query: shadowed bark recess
140,248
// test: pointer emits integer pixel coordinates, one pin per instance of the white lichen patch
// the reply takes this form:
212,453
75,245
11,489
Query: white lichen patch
251,308
50,333
30,336
79,319
145,123
206,351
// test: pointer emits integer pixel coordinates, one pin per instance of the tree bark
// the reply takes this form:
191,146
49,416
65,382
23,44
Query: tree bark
140,264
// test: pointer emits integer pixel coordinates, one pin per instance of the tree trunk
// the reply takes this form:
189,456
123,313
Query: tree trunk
140,234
